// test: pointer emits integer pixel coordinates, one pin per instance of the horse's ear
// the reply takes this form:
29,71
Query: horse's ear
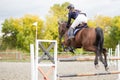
59,22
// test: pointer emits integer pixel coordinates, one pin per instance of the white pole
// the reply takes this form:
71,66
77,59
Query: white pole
32,61
108,57
118,48
55,59
36,53
35,24
36,61
115,56
111,55
36,32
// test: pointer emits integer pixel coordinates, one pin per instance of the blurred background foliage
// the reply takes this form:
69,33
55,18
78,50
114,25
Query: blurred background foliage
19,33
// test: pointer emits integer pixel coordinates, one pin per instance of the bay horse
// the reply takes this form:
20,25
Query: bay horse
90,39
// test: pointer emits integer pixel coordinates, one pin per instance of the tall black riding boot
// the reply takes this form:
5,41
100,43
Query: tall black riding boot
70,36
70,33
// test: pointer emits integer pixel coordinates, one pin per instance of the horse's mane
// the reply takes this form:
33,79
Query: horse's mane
64,21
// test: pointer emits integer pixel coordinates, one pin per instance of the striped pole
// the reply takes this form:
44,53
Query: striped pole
88,74
83,59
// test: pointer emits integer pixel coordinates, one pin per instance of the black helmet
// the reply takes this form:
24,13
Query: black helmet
70,6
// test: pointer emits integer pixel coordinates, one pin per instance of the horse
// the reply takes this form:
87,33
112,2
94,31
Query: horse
90,39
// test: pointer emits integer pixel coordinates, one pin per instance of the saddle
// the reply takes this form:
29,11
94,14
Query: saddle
78,28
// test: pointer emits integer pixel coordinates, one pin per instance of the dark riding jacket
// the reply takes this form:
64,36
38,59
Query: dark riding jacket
73,15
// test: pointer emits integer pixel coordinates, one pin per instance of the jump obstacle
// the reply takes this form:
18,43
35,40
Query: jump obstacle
91,59
36,66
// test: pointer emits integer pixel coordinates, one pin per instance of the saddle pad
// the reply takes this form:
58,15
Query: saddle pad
76,30
79,28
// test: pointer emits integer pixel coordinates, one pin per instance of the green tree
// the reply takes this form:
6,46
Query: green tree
9,37
20,32
114,32
60,11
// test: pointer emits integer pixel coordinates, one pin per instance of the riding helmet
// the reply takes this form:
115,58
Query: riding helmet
70,6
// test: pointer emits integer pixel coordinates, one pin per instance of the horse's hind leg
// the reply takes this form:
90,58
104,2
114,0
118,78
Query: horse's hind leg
105,58
101,59
96,59
104,61
93,49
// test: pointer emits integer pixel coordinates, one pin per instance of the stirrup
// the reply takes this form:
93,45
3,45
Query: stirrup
70,37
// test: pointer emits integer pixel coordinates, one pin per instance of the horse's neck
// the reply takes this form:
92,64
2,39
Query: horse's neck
66,29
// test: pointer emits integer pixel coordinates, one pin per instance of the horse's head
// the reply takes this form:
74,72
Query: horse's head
62,28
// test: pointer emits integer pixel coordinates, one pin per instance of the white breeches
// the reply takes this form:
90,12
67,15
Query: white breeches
81,18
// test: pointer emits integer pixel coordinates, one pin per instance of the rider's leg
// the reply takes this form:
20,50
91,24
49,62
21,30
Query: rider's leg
81,18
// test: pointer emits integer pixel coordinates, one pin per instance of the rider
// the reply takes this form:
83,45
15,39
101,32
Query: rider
79,19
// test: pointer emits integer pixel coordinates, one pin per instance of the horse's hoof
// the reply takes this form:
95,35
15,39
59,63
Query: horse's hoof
97,66
72,51
65,50
107,68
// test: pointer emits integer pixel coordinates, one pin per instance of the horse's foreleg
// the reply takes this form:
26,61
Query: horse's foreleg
71,49
63,46
60,39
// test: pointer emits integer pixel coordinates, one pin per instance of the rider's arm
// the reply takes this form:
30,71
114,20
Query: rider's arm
83,14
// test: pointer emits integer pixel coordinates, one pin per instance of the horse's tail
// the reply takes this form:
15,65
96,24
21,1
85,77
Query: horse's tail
99,39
